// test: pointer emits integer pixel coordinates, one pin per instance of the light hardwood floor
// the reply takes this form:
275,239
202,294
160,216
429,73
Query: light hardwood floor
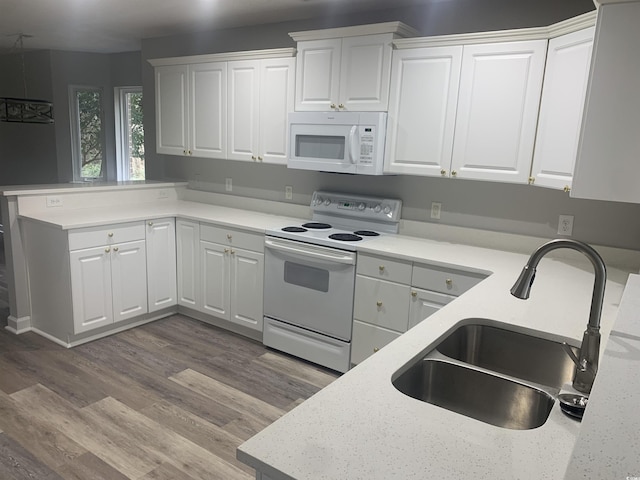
168,400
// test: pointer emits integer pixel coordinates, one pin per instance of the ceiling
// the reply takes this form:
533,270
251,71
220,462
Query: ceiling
110,26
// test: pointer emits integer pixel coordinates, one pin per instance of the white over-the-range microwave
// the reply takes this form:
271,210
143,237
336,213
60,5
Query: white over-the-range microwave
344,142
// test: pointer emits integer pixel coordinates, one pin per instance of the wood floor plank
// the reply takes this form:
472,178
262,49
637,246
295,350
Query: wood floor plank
16,463
155,382
296,369
119,451
89,466
199,431
167,471
48,444
223,393
163,443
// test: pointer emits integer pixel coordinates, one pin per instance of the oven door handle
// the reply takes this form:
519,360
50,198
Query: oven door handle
346,258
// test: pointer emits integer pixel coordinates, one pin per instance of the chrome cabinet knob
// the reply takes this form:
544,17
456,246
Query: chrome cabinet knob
333,105
567,188
107,250
443,172
115,249
341,106
229,236
375,349
259,158
379,303
454,173
226,250
449,282
253,157
414,294
151,224
381,268
110,234
232,251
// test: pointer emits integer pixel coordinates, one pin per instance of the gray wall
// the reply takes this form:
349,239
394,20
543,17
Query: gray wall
501,207
27,149
31,153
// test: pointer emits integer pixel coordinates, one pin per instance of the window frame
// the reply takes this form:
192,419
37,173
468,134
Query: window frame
123,147
76,149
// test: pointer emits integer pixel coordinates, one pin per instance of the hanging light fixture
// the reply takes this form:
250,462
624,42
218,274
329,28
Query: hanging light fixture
24,110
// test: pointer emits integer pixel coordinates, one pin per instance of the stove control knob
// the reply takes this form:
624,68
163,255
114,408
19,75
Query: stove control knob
327,202
387,210
361,206
318,200
377,209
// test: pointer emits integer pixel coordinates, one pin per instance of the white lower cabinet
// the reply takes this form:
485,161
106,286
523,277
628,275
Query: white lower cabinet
108,282
220,272
394,295
161,263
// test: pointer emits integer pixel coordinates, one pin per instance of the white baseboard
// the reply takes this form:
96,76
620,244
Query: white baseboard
18,325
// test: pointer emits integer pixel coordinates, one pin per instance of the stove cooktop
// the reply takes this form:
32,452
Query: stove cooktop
330,236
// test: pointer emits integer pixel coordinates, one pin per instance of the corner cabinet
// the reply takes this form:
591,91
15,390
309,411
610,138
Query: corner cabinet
607,167
260,96
563,94
346,68
226,105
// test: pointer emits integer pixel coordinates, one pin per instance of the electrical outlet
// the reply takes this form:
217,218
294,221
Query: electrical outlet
436,208
162,194
228,184
288,192
565,225
54,201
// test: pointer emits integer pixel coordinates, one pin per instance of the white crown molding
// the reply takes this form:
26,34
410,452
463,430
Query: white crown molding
224,57
399,29
580,22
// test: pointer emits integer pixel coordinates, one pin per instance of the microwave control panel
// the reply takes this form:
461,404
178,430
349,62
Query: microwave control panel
367,139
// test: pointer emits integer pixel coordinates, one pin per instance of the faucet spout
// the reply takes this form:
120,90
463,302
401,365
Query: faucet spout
587,361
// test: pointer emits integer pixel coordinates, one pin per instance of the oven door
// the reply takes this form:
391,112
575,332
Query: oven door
309,286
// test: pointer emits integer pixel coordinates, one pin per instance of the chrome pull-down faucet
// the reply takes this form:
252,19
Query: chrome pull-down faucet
587,359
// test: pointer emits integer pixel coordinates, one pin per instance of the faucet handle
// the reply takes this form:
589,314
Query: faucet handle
580,365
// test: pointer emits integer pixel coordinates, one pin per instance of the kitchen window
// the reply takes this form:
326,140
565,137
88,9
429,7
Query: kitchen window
87,133
129,133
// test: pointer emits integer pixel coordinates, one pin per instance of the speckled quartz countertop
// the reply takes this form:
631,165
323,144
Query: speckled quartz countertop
362,427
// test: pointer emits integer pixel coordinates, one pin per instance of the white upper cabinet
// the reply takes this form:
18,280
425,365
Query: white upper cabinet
607,167
171,109
346,69
422,110
500,87
260,98
191,109
563,93
344,74
208,109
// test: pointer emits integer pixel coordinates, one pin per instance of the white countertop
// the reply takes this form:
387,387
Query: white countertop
362,427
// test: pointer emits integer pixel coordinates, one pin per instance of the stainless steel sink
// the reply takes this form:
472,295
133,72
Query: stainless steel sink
493,374
485,397
504,351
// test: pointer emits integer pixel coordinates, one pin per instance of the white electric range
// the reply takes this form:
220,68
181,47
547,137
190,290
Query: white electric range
310,275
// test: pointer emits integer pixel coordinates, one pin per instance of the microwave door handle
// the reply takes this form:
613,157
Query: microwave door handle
353,145
332,257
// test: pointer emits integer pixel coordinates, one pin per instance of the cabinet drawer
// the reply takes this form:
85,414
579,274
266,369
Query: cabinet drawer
382,303
445,280
232,237
367,340
105,235
384,268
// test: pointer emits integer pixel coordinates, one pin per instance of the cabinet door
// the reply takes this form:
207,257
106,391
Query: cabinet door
215,279
563,93
208,110
381,303
171,109
318,75
365,71
129,280
247,273
161,263
607,167
422,110
277,78
243,119
425,303
91,288
368,339
188,263
498,103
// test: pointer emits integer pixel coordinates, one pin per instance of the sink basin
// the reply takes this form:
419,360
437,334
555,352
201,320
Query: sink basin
515,354
476,394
